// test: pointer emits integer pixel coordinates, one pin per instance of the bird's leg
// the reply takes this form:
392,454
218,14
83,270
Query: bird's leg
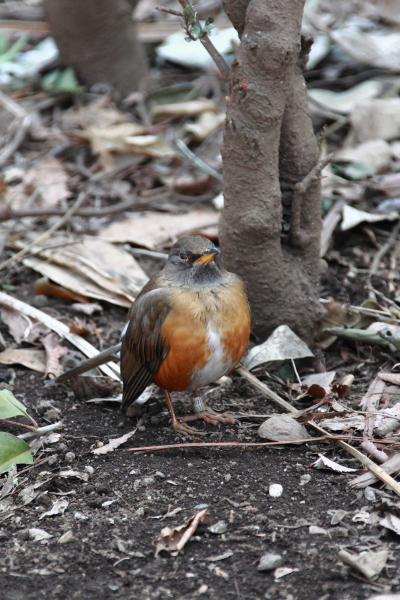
202,411
182,427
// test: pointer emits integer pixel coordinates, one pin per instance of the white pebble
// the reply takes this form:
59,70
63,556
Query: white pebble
275,490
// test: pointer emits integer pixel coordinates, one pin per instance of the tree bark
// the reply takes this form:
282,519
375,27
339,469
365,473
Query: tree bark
97,38
269,150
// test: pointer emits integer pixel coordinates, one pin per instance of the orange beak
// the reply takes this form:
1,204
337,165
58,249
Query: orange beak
209,256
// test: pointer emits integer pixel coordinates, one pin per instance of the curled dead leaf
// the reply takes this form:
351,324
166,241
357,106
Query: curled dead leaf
173,540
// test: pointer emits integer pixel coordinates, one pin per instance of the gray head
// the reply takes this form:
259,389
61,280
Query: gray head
192,260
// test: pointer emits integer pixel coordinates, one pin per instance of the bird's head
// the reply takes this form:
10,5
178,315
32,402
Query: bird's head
194,259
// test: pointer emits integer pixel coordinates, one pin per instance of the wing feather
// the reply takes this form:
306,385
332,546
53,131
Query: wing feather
143,348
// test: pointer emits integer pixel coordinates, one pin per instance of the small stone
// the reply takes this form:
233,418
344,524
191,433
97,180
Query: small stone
66,537
52,460
369,494
148,481
228,477
89,469
69,457
62,447
159,475
40,301
275,490
268,562
200,506
80,516
305,479
218,528
282,428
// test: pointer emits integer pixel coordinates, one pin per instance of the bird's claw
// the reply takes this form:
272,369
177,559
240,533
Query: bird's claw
210,416
186,429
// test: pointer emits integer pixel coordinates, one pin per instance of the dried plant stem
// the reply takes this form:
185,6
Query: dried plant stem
380,254
264,388
34,248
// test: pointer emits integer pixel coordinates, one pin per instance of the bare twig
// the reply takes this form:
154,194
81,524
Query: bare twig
264,388
33,247
297,237
198,161
9,213
380,254
232,444
329,224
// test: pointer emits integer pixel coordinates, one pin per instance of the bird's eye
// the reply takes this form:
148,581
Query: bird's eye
183,256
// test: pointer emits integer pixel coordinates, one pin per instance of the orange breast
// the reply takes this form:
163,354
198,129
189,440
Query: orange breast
186,332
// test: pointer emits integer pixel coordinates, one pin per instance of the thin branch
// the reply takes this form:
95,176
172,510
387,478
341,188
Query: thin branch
33,247
170,11
9,213
380,254
264,389
18,424
297,237
198,161
205,40
233,444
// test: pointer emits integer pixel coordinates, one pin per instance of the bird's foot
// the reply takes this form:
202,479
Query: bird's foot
210,416
186,429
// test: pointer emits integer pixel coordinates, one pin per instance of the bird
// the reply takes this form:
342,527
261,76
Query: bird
188,326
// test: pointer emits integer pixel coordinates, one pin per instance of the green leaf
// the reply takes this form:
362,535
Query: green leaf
188,10
15,48
195,30
192,19
61,81
208,28
13,451
10,406
209,20
3,43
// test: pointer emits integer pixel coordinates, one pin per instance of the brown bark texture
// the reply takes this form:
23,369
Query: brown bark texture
97,38
271,173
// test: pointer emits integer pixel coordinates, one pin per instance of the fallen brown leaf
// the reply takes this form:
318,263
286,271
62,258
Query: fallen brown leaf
173,540
27,357
54,351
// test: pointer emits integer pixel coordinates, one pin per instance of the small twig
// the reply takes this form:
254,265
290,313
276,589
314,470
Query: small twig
33,246
329,224
205,40
264,388
198,161
18,424
9,213
370,288
39,431
380,254
367,462
297,237
170,11
233,444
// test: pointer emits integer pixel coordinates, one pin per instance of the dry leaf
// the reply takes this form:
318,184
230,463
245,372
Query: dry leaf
282,344
87,308
391,522
323,379
77,474
353,217
390,377
344,102
83,327
377,119
44,287
22,327
173,540
59,507
50,179
90,267
27,357
390,466
375,153
368,564
160,112
113,444
355,421
54,351
326,463
155,230
377,48
205,125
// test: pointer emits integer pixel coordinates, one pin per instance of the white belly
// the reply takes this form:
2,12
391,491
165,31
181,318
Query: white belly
217,365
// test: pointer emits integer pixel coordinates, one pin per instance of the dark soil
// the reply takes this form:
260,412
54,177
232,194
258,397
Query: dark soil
115,516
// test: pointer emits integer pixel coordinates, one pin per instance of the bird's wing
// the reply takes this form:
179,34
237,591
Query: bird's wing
142,346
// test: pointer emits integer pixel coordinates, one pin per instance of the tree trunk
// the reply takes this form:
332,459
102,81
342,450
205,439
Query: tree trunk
97,38
269,150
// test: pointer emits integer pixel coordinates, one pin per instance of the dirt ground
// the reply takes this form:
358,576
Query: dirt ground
113,518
